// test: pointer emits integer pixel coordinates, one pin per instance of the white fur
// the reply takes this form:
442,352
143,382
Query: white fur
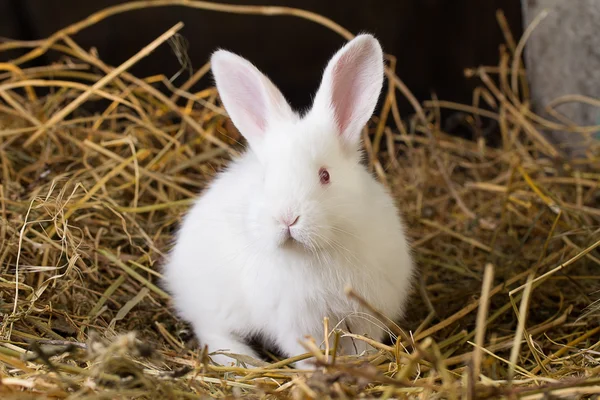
233,274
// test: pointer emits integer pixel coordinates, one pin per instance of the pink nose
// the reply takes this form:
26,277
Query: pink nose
290,220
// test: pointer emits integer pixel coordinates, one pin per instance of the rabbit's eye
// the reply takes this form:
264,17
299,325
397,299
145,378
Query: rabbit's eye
324,176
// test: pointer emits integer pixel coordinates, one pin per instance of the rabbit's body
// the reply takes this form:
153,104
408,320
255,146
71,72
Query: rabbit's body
282,294
242,267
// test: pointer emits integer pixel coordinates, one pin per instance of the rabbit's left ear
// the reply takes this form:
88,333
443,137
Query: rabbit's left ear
252,101
351,86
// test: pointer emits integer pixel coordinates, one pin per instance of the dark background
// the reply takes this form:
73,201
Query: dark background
434,40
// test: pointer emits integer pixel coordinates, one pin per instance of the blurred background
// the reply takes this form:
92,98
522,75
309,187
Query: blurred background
433,40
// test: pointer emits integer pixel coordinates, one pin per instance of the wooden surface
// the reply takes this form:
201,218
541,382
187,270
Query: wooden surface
434,40
563,58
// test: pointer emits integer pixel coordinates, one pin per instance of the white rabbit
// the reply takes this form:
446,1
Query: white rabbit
271,245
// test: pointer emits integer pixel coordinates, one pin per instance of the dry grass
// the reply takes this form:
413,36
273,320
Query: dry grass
89,201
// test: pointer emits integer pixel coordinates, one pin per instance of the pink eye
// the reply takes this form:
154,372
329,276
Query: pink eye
324,176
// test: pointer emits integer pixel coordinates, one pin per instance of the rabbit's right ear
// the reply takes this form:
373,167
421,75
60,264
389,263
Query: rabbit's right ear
351,86
250,98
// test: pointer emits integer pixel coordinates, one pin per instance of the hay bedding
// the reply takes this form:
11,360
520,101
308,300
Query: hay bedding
506,239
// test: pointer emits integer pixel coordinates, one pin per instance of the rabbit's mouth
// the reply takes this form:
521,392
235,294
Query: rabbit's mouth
289,240
296,238
292,241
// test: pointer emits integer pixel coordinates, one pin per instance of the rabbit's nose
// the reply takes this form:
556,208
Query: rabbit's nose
294,221
290,220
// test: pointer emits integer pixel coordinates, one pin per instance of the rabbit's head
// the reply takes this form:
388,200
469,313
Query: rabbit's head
312,184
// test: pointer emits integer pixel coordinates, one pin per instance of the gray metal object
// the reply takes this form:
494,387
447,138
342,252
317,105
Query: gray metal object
562,57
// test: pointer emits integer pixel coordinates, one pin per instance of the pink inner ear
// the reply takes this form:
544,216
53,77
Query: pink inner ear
348,76
249,98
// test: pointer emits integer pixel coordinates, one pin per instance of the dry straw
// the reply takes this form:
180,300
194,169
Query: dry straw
506,237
